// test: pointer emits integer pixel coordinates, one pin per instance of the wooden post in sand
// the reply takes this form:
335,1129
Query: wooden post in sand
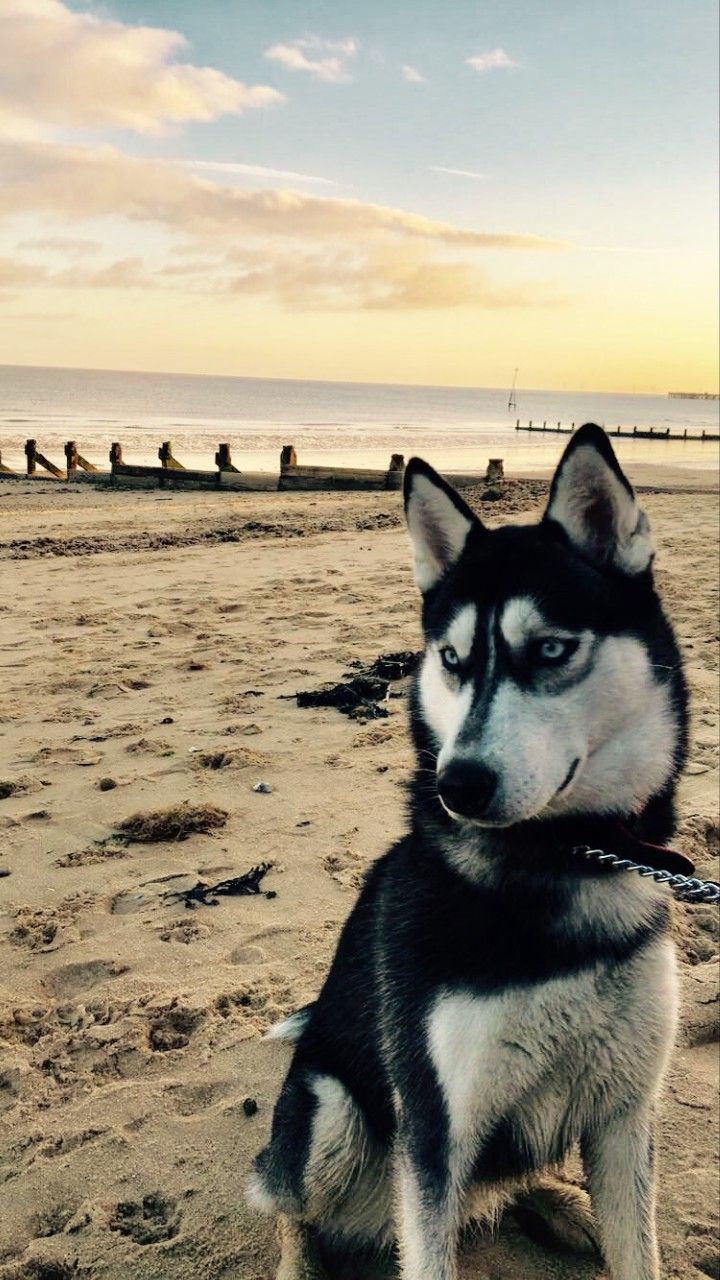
35,459
288,456
165,454
396,471
223,461
75,459
115,454
495,471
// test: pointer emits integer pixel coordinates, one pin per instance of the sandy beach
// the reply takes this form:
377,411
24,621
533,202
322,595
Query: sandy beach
151,645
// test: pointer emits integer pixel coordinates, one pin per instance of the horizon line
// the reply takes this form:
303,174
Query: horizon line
349,382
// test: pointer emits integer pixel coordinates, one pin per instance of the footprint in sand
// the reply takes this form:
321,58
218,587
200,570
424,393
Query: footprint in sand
154,1218
43,1268
70,979
18,786
51,1222
150,746
182,930
46,929
188,1099
247,955
92,855
173,1027
65,755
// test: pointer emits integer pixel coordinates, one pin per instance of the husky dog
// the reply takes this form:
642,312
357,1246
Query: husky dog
493,1001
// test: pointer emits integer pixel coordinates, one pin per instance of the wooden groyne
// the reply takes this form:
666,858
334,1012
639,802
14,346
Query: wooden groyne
293,476
623,433
173,474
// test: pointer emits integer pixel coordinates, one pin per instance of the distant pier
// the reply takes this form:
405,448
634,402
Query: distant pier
623,433
693,395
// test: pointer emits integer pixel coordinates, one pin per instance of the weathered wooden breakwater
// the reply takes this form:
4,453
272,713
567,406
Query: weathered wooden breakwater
624,433
173,474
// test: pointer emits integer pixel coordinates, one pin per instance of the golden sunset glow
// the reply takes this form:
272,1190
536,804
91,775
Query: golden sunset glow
118,249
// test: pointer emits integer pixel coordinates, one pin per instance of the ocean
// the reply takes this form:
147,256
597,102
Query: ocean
329,423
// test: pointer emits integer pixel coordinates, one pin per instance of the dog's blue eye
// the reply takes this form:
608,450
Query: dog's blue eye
449,658
551,651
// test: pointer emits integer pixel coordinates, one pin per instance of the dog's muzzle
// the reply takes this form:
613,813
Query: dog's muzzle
466,789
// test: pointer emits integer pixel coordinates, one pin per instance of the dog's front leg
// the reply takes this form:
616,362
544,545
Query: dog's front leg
619,1161
427,1222
430,1198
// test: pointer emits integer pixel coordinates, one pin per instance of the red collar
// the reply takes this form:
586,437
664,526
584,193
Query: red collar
655,855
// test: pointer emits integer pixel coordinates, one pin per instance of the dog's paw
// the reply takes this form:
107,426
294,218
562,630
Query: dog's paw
558,1214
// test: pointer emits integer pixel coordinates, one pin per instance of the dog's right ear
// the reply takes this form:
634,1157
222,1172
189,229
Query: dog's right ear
438,521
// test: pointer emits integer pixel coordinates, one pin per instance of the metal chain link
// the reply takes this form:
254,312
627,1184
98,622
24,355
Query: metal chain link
687,888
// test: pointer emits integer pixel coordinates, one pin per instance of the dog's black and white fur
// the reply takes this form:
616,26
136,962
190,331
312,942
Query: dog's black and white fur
492,1002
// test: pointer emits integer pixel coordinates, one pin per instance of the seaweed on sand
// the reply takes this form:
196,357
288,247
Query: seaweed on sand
206,895
176,822
359,695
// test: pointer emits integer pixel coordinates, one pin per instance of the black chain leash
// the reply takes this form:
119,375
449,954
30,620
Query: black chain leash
686,888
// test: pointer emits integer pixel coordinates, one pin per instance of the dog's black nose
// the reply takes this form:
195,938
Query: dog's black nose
467,788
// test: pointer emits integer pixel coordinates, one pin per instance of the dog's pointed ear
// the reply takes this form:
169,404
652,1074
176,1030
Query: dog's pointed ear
438,521
596,506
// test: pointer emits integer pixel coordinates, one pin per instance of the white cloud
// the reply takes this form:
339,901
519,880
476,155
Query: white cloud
82,183
259,171
412,75
373,278
380,278
491,60
306,251
458,173
329,62
66,246
124,273
61,67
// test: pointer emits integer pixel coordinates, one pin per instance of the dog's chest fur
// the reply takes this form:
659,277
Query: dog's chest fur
523,1073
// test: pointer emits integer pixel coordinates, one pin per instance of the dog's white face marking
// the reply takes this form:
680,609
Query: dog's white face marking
461,632
594,733
522,621
519,620
446,701
445,706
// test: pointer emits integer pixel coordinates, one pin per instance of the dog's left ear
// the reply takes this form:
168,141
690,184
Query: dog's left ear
438,522
596,506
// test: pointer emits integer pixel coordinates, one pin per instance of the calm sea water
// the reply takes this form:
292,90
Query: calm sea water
328,422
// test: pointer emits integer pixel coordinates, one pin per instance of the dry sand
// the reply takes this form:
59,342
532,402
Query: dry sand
139,631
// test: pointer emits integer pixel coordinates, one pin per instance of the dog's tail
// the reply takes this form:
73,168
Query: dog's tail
292,1027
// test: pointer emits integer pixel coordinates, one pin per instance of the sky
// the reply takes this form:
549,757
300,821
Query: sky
411,192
